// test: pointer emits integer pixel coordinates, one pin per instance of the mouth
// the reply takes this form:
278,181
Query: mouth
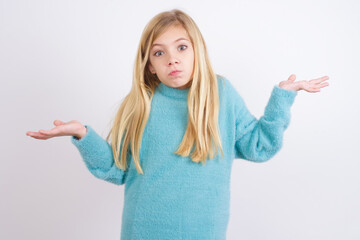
175,73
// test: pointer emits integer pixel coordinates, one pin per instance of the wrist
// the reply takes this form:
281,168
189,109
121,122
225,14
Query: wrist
286,87
81,133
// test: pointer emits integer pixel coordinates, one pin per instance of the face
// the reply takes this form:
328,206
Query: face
172,58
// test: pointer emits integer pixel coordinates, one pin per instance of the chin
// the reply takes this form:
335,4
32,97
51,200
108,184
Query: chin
186,85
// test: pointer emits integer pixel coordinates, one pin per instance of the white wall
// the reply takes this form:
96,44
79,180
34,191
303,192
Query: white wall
73,60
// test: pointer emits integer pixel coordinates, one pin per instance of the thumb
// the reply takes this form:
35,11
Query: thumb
292,78
58,122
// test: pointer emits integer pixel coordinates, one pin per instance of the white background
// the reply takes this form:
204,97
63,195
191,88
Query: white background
74,59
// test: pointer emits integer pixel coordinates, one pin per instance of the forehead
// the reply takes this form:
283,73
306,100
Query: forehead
170,35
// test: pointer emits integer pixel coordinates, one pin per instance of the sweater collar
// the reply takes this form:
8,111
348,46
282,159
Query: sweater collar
173,92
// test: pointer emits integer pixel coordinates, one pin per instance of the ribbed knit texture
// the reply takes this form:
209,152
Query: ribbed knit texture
176,198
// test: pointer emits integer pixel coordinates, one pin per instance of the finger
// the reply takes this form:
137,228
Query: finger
55,132
318,86
319,80
311,90
292,78
37,135
51,132
29,133
308,87
58,122
47,132
323,85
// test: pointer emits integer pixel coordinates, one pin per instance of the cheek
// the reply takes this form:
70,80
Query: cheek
191,60
191,57
154,64
157,62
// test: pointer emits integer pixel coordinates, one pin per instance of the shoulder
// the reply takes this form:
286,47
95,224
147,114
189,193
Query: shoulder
227,89
222,82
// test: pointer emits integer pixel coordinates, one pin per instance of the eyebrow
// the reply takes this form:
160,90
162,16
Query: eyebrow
158,44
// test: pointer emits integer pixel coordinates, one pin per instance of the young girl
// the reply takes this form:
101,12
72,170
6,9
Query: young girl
176,134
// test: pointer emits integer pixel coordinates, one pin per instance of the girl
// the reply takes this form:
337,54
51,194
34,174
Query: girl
176,134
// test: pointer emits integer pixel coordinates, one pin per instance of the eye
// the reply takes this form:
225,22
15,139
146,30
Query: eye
183,46
156,53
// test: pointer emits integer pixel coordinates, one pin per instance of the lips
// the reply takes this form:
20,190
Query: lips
174,73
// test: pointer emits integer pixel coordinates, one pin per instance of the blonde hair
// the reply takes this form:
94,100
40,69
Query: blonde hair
203,100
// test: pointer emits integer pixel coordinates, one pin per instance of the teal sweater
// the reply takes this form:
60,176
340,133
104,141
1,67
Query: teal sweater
176,198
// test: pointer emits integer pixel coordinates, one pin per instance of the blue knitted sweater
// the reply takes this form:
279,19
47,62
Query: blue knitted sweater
177,198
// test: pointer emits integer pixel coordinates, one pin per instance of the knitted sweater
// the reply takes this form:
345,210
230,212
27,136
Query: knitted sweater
177,198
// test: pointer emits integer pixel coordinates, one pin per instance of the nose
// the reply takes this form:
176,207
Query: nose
173,59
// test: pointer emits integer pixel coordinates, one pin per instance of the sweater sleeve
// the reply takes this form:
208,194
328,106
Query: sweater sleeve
97,154
259,140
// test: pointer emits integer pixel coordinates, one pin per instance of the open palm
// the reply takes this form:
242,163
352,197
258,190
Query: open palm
71,128
312,86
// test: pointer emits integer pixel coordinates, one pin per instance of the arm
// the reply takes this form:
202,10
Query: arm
98,157
259,140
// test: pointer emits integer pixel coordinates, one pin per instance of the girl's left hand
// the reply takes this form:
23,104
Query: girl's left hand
312,86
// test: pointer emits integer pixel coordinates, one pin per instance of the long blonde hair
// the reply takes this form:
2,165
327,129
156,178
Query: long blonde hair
203,100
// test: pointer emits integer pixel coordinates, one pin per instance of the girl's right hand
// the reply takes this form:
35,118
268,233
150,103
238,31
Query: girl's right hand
72,128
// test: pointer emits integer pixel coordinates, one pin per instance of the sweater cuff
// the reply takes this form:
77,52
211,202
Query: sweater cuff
95,151
287,95
79,143
280,102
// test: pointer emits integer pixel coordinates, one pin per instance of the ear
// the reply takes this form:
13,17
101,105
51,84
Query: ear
151,68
